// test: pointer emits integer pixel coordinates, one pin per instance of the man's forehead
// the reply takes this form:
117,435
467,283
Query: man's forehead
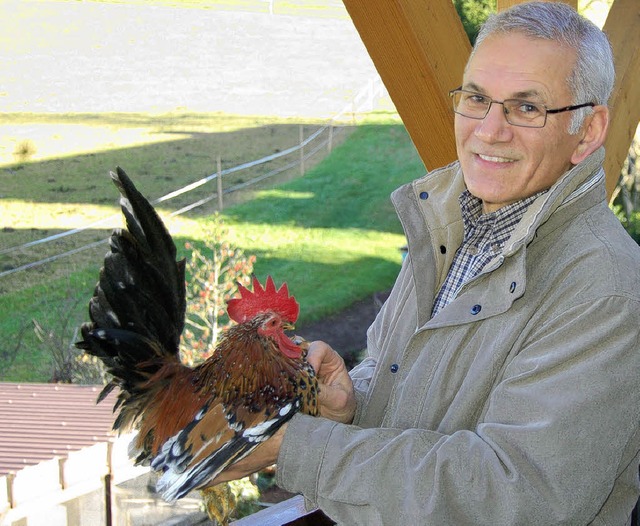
514,65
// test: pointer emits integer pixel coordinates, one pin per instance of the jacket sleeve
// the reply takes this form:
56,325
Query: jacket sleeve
363,373
361,378
559,428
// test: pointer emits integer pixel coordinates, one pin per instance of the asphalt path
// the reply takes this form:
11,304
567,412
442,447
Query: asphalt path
100,57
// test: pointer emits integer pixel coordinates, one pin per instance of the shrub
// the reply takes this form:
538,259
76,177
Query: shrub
57,336
631,222
626,197
213,275
473,13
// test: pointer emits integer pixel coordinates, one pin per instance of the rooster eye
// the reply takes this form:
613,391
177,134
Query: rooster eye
271,323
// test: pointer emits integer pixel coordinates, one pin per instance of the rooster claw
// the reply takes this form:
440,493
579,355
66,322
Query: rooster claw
219,502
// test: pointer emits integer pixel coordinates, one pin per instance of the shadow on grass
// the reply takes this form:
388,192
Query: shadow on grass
180,154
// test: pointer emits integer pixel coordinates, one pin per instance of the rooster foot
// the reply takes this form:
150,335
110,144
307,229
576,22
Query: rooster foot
219,502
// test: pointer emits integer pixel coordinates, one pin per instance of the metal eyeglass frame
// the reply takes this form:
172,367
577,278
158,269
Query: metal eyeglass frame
506,112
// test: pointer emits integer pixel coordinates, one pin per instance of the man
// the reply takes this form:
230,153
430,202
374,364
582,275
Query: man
501,381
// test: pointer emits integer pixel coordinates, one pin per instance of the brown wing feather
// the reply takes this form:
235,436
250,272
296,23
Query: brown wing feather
252,390
170,403
213,431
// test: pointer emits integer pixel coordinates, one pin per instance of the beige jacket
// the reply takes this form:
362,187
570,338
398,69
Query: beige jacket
519,403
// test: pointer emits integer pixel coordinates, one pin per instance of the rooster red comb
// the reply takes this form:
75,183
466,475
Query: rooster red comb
263,300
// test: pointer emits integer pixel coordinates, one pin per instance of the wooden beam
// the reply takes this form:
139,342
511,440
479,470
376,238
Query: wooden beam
419,49
505,4
623,29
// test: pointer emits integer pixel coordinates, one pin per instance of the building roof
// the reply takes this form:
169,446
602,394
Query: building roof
43,421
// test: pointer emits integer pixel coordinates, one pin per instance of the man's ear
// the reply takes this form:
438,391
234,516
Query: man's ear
594,133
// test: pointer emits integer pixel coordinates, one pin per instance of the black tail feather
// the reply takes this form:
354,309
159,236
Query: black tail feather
149,231
138,308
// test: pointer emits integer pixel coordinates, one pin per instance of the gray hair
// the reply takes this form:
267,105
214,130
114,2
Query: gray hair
593,75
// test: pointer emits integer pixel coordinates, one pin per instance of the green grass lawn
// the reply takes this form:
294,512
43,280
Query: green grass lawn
332,235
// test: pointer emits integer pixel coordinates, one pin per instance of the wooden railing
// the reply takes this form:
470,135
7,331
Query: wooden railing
287,513
293,513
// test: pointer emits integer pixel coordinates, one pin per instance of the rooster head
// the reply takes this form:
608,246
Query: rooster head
276,309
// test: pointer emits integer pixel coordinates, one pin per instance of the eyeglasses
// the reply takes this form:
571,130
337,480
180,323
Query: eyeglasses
517,112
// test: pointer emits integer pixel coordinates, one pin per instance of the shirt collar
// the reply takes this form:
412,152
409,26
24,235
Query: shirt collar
497,225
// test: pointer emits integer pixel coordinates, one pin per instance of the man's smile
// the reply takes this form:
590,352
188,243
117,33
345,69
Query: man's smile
495,159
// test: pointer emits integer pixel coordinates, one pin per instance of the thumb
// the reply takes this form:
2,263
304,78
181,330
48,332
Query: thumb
319,353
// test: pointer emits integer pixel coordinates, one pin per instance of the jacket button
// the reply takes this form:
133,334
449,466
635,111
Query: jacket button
443,249
394,368
512,288
424,195
476,309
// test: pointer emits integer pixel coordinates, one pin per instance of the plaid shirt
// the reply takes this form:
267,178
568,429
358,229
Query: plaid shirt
484,238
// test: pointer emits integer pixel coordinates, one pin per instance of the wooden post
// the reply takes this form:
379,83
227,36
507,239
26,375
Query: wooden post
61,480
419,49
11,496
219,182
623,29
110,503
301,150
330,139
108,500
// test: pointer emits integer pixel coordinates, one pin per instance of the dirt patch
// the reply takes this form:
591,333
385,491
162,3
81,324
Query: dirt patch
346,331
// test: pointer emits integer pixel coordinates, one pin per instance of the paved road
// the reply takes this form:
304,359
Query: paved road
99,57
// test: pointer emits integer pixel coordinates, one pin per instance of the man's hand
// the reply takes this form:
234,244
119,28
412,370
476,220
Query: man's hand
336,399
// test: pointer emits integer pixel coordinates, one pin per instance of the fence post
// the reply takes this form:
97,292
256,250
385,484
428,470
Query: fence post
111,512
219,181
330,139
301,150
10,490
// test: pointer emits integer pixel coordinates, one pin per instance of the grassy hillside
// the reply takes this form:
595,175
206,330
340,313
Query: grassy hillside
332,235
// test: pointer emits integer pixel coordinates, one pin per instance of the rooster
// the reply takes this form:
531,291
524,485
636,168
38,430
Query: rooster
192,423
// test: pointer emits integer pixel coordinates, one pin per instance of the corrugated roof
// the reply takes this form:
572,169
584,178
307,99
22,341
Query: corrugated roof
42,421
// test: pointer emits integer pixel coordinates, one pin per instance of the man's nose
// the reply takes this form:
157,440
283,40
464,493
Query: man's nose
494,127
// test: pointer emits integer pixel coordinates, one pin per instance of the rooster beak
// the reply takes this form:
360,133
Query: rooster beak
288,326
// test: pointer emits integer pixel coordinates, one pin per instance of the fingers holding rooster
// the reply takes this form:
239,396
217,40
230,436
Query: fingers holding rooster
336,398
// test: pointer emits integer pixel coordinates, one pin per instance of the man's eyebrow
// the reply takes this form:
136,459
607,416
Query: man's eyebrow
528,95
525,95
472,86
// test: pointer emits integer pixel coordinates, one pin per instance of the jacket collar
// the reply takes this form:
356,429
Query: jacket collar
435,197
430,215
585,180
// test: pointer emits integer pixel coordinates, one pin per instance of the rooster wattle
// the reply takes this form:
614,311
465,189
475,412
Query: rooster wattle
192,422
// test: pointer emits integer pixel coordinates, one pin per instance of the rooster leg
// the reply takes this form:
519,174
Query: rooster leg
219,502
